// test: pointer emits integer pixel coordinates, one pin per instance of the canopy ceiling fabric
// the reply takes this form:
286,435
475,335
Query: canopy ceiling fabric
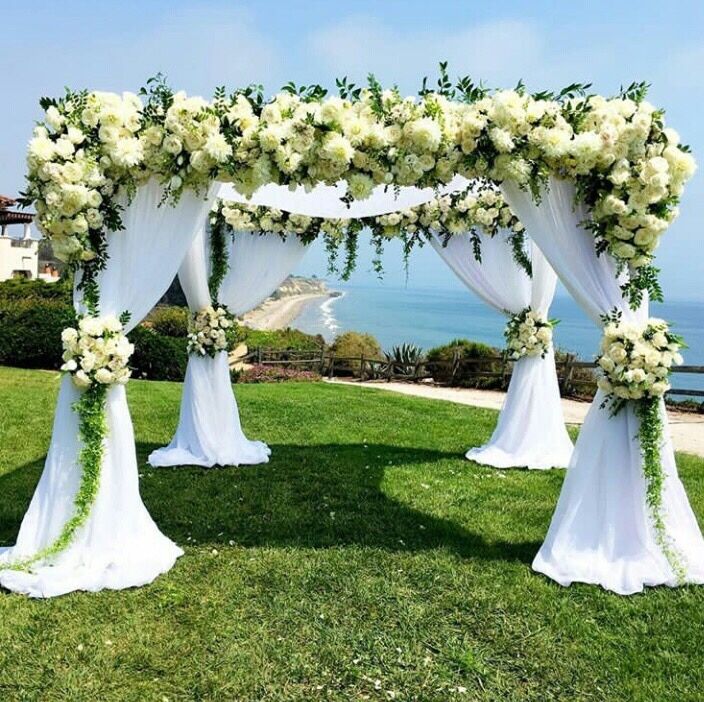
326,200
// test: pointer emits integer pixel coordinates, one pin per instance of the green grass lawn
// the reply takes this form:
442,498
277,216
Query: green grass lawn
368,560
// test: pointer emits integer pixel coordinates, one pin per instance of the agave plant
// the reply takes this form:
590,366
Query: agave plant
402,360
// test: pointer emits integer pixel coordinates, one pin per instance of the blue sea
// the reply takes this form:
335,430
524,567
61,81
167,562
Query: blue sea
430,317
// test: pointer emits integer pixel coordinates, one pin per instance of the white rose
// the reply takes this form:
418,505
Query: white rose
69,335
104,376
81,379
617,352
659,388
424,134
54,118
637,375
607,364
604,385
91,325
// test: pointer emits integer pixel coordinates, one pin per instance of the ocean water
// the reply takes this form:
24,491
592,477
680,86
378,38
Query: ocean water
430,317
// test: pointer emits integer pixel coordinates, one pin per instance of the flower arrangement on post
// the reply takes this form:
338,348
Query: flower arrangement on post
528,333
97,352
95,357
211,330
635,362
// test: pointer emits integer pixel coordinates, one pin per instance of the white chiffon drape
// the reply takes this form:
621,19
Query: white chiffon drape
601,531
531,428
209,430
120,546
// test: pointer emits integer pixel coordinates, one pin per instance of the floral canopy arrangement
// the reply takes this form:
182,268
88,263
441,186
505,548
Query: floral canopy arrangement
628,168
93,150
461,213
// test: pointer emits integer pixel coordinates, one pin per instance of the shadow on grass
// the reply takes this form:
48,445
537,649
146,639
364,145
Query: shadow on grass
320,496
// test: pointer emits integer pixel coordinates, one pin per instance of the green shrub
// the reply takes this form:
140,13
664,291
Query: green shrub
23,289
157,356
169,321
440,358
30,330
280,339
352,345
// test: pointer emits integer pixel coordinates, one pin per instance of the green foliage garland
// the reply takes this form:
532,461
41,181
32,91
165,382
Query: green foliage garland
650,436
92,431
219,264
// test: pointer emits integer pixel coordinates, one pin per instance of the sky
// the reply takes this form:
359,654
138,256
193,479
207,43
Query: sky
199,45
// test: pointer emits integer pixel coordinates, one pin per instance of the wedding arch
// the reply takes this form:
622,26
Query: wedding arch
122,184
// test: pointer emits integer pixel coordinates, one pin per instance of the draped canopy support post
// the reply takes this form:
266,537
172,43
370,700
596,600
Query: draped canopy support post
531,427
119,546
602,531
209,431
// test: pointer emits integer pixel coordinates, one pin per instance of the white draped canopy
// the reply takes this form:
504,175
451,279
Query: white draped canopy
531,427
326,200
209,430
601,531
120,546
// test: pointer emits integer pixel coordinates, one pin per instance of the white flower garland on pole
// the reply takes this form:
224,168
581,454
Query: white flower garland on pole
636,362
211,330
528,333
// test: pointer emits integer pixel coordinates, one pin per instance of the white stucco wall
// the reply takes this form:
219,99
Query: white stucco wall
18,256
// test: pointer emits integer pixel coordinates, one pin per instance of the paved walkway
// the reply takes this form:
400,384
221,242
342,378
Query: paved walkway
687,428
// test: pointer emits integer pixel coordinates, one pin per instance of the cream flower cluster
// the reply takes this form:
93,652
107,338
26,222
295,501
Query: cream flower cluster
457,213
628,168
242,217
454,214
528,333
379,138
636,360
96,352
77,160
95,147
210,331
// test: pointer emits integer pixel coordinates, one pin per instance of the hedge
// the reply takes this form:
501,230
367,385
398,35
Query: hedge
157,356
30,331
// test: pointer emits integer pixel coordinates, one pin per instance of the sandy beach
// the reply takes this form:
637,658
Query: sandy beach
280,313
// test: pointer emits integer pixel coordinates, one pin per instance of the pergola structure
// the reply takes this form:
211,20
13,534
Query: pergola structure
124,188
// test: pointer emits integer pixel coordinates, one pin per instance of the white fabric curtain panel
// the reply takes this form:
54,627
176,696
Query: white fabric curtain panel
120,546
601,531
209,430
259,263
531,428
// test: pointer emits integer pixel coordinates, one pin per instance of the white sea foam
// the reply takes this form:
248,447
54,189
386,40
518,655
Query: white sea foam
327,314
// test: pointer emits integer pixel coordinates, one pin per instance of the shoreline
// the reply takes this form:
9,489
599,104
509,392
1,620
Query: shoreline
280,313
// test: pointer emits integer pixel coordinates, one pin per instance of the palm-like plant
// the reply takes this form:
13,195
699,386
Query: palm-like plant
403,359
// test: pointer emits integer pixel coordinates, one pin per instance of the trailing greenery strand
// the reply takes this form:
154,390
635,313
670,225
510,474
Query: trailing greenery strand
92,431
219,264
650,436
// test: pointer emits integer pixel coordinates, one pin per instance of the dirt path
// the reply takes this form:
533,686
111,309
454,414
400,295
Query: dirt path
687,428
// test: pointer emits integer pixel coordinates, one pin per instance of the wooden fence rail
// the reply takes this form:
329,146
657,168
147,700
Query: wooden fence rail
573,375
